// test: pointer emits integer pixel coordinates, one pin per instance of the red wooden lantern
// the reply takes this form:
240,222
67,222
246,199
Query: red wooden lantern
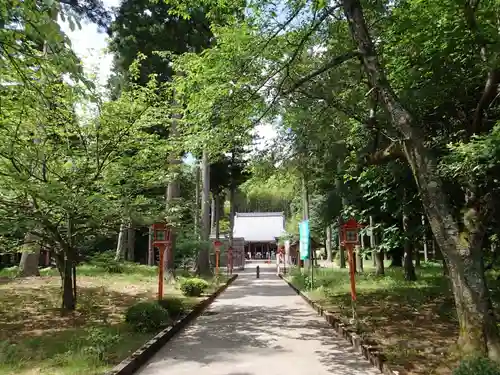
162,234
350,231
162,239
350,238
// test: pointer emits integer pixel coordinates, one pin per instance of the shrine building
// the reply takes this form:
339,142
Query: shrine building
260,231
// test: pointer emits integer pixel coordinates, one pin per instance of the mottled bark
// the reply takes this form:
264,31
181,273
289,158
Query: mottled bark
409,269
28,266
203,263
461,248
130,242
328,244
151,252
359,260
121,243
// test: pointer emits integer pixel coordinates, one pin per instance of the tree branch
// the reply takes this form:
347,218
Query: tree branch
329,65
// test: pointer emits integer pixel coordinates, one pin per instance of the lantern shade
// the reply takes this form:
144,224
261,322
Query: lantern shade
161,234
350,232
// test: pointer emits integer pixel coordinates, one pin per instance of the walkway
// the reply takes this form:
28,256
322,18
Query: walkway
258,327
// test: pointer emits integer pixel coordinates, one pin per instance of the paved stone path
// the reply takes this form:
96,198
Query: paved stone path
258,327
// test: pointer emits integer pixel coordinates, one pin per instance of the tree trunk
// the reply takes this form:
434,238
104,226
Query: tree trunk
172,202
462,250
213,216
373,243
217,215
342,255
359,260
130,242
308,263
173,196
68,297
328,243
409,269
424,239
28,266
340,222
151,250
196,211
122,240
203,264
379,260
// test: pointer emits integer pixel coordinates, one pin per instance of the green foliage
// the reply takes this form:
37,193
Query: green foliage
193,287
477,366
100,342
147,317
175,306
107,262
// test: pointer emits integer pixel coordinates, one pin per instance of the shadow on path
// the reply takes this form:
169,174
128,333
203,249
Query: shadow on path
258,327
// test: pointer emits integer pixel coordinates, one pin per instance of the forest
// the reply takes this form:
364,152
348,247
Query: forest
385,111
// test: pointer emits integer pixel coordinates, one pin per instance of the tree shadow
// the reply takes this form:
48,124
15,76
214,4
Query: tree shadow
259,326
415,326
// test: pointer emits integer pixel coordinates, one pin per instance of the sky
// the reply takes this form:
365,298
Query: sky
90,45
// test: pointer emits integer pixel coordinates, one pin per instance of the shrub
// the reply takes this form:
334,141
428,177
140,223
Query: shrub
147,317
477,366
106,261
174,306
193,287
99,343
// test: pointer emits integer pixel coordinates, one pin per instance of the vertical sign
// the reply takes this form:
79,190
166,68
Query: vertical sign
304,239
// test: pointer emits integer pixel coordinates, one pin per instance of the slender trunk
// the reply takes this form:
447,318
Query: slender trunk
130,242
409,269
342,254
328,243
173,196
28,266
424,239
68,300
122,240
213,216
197,201
231,214
372,242
69,275
203,264
462,250
359,260
340,221
217,215
305,216
151,250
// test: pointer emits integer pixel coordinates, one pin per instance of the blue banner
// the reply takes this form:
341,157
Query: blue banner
304,239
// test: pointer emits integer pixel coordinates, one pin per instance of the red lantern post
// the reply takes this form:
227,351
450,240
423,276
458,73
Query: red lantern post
349,240
162,240
217,245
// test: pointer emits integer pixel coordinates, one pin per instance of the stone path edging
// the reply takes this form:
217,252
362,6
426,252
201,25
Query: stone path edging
131,364
370,352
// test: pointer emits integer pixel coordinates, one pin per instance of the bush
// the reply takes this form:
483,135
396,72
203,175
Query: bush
477,366
147,317
99,343
193,287
106,261
174,306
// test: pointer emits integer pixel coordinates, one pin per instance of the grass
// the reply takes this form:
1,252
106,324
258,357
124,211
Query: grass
414,323
35,338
